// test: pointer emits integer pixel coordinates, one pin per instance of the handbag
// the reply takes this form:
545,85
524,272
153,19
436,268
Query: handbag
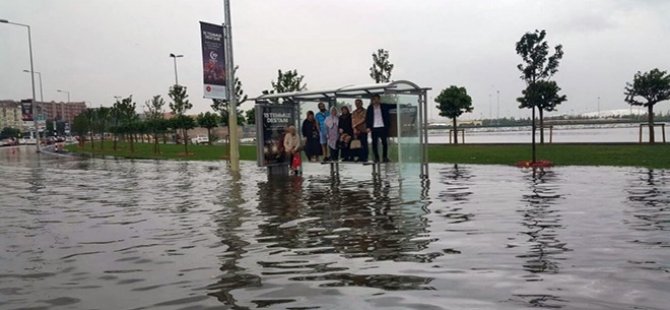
296,161
355,144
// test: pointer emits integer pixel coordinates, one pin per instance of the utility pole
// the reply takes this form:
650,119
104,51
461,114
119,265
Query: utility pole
230,89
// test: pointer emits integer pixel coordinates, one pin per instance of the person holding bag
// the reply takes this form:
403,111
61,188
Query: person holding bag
292,149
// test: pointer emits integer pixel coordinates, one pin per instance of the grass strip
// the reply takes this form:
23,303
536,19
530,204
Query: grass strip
580,154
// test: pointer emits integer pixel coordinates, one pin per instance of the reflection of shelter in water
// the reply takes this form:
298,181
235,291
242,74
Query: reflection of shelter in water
347,218
408,112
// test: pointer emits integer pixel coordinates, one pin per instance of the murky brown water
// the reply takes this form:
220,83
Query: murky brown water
117,234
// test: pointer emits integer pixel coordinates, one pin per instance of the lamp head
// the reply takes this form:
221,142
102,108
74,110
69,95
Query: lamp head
4,21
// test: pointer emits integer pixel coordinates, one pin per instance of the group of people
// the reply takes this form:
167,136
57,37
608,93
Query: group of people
334,135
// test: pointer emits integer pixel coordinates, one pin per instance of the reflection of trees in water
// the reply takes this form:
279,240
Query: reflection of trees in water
542,223
229,219
456,181
324,216
649,201
183,186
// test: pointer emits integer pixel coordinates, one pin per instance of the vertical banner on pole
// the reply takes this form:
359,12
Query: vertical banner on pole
213,61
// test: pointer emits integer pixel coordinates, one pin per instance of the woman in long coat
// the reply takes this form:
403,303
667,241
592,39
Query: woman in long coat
333,134
310,132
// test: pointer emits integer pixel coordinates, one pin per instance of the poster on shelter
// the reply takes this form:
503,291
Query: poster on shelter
213,61
408,121
26,110
274,120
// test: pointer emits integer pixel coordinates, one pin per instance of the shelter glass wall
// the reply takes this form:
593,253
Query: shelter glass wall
407,130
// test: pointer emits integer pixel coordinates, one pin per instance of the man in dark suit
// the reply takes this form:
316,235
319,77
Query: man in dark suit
378,122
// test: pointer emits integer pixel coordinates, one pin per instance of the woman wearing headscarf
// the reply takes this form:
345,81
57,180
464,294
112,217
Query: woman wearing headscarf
310,132
332,133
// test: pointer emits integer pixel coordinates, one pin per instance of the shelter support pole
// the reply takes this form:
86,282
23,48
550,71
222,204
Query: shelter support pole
424,146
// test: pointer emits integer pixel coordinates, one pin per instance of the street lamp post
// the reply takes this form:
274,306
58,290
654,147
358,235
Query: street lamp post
174,57
39,74
62,106
32,78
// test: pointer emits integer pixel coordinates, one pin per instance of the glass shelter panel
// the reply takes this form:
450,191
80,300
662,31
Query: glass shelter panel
407,129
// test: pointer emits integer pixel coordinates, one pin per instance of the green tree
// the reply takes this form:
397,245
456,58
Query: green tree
60,128
381,68
536,66
128,119
452,102
115,123
9,132
185,123
208,120
543,95
179,106
288,81
90,116
49,128
648,89
251,116
221,106
81,126
154,120
101,125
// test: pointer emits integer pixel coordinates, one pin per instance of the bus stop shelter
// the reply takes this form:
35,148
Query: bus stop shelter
408,132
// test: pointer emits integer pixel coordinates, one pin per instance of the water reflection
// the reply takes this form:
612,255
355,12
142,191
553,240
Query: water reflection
542,222
229,218
649,200
457,181
352,219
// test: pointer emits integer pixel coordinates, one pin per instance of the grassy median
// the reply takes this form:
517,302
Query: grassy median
640,155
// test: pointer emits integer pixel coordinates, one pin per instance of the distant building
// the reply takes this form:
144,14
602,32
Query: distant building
10,114
62,111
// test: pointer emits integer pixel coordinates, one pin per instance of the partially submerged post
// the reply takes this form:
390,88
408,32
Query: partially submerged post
409,120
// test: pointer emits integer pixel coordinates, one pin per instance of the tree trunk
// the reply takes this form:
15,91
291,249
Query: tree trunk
651,123
539,110
455,131
185,142
132,145
116,138
155,143
209,136
92,142
533,138
102,140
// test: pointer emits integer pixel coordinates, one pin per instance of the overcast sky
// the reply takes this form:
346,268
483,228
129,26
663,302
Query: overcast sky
101,49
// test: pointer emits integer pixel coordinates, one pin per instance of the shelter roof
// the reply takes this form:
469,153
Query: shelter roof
349,91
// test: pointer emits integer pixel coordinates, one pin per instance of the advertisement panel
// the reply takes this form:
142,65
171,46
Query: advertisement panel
408,121
272,125
26,110
213,61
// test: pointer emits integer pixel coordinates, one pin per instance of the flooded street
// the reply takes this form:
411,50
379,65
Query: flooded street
143,234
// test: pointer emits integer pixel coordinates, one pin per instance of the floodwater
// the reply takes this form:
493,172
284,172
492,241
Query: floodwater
613,133
119,234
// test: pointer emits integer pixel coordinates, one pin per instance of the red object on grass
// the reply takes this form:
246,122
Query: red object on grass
537,164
